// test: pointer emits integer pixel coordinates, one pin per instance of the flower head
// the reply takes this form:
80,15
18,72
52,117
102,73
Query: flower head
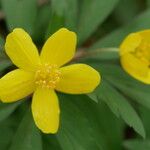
135,55
43,74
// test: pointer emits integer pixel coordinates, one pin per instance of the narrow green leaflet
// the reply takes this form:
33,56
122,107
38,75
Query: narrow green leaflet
57,17
69,10
27,136
74,126
93,13
7,109
1,43
20,13
83,126
7,131
100,117
75,131
134,89
64,14
4,62
137,144
114,39
42,20
120,106
122,15
144,113
9,126
55,23
93,97
59,6
50,142
71,14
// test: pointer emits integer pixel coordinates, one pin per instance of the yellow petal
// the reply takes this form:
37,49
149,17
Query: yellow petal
130,43
16,85
135,68
145,35
21,50
78,79
59,48
45,110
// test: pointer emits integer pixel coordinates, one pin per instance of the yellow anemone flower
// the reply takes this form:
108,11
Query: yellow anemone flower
135,55
43,74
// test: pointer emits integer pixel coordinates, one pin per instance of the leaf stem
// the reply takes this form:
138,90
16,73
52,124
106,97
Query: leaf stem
81,53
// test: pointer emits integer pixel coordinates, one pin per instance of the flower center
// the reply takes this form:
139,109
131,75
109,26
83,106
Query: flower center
142,52
47,76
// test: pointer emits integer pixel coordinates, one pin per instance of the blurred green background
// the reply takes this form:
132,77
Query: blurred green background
116,115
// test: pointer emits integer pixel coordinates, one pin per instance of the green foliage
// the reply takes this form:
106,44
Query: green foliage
7,109
41,24
137,144
97,121
20,13
120,107
121,13
137,91
26,137
93,13
7,130
114,39
60,16
81,126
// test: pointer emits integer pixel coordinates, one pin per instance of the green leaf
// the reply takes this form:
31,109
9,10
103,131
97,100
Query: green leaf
62,7
7,109
115,38
93,13
57,17
1,43
122,15
20,13
100,117
42,21
50,142
55,23
137,144
59,6
60,16
144,113
71,17
82,125
4,62
74,127
27,136
93,97
120,106
9,125
132,88
7,130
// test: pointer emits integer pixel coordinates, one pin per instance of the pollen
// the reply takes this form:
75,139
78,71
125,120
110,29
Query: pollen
47,76
142,52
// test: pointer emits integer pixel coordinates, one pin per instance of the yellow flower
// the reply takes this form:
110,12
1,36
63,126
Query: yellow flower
43,74
135,55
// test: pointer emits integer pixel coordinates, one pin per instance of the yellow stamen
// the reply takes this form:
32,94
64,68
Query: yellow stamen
47,76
